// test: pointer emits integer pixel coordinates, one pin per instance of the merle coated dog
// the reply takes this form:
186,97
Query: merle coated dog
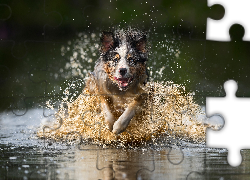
118,76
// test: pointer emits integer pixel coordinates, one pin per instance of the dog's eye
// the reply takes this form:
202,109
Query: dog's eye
132,60
116,58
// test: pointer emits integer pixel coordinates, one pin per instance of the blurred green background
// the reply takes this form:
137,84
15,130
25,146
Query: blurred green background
38,39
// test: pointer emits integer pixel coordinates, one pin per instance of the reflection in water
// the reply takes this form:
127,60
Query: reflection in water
130,164
125,164
91,164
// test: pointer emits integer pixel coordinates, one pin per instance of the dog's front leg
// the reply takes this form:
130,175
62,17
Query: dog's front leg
122,123
109,117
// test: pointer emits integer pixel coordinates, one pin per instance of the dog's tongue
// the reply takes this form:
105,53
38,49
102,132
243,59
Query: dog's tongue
123,82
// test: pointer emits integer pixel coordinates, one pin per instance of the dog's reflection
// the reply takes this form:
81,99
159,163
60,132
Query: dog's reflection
125,164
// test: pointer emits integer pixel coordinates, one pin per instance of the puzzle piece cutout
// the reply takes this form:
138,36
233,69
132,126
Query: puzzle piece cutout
236,12
236,123
230,59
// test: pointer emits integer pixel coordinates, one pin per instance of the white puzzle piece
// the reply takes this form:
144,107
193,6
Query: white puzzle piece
236,12
235,132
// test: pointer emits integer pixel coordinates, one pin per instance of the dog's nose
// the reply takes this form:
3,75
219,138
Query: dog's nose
123,71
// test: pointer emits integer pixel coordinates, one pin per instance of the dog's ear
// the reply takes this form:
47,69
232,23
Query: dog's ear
107,41
141,44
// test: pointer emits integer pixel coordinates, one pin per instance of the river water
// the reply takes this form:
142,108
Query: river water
25,156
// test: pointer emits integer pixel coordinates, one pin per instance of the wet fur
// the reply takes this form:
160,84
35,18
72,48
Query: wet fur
118,76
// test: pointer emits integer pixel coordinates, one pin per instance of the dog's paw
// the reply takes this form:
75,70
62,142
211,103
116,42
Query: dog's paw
110,126
117,128
110,122
120,125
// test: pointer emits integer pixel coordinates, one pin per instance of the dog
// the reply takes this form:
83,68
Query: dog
118,76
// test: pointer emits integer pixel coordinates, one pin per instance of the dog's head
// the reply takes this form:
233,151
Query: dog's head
124,54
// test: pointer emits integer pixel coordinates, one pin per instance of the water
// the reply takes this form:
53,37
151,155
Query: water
24,156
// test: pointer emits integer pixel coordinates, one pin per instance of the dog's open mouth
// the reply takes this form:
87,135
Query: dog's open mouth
123,82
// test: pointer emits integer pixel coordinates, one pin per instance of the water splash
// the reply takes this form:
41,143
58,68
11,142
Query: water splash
168,112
